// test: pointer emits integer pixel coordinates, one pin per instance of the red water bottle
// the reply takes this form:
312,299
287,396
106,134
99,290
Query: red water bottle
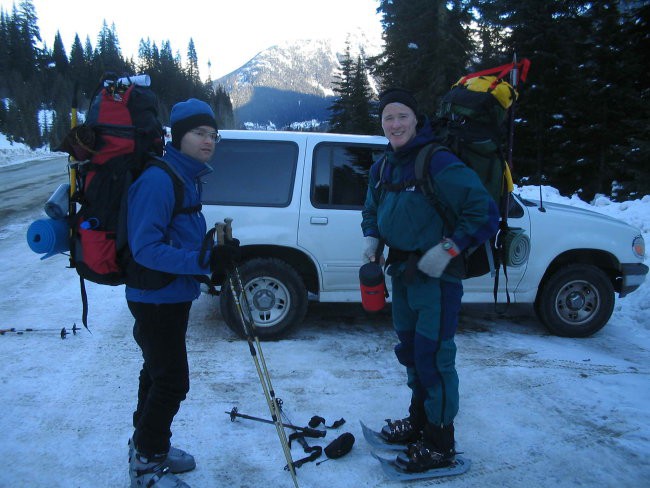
373,284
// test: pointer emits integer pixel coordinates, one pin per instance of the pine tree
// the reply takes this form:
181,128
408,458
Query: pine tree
3,116
427,48
92,72
77,65
59,56
341,108
546,33
361,121
28,34
222,106
193,64
5,61
635,53
108,55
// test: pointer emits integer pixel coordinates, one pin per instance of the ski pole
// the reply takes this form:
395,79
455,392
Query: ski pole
234,414
62,332
224,231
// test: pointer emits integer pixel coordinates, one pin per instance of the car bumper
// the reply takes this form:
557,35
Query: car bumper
632,276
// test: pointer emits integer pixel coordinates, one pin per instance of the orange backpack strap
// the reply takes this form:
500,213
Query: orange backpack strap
501,71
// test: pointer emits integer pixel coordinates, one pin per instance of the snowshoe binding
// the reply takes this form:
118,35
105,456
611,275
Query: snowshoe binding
435,450
401,431
408,429
420,457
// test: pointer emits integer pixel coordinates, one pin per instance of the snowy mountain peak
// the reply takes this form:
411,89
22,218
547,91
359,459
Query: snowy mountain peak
292,81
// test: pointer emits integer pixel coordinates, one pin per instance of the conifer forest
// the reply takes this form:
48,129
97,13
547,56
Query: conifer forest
581,122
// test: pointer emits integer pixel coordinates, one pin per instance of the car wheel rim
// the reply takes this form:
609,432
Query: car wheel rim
577,302
269,301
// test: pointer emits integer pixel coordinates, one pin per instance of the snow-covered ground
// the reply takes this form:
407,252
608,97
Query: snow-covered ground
536,410
17,153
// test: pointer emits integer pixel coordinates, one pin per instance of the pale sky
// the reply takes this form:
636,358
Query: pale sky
226,32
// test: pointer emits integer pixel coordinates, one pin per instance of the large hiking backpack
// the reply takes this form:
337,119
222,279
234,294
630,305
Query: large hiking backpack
471,123
120,137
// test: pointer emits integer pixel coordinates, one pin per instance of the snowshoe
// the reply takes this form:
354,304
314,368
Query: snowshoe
421,457
436,450
395,472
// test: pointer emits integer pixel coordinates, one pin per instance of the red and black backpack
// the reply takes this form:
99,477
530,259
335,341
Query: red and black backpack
119,139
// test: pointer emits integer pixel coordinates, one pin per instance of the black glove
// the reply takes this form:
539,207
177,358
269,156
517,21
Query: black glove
223,256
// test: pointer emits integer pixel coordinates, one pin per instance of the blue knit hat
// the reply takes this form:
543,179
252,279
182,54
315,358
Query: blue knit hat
188,115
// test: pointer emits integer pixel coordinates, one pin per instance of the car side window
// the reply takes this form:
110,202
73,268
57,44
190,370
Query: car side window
515,210
259,173
340,174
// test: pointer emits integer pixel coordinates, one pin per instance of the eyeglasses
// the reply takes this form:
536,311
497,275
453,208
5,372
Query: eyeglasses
213,135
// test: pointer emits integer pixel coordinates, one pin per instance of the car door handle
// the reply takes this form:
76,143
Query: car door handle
318,220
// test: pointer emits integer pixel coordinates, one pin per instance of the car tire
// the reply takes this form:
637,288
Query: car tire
575,301
276,295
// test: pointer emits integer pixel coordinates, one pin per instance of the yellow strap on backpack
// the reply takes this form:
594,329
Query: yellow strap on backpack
501,90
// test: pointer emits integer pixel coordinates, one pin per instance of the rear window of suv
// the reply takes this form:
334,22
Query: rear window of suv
247,172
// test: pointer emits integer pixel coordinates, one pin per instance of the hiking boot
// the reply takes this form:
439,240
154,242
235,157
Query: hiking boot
408,429
177,460
152,473
435,450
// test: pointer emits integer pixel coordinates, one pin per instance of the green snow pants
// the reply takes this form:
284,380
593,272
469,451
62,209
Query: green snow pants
425,317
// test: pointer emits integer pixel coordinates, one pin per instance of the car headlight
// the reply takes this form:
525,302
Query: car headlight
638,246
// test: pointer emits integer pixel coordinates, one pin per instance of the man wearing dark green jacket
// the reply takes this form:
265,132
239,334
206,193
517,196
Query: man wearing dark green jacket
426,290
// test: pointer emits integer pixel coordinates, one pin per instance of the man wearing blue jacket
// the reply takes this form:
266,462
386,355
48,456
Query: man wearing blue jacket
426,288
166,241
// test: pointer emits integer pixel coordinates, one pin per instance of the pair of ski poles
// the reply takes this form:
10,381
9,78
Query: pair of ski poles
223,233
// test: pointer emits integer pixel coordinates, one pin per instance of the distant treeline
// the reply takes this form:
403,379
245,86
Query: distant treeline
582,121
35,78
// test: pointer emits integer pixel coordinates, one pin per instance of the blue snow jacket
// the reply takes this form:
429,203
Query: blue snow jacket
164,242
407,220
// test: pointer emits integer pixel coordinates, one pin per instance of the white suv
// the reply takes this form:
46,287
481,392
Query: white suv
296,198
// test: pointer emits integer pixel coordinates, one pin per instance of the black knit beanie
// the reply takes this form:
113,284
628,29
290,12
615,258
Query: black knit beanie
397,95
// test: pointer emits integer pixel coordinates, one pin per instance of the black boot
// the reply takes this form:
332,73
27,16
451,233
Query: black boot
435,450
408,429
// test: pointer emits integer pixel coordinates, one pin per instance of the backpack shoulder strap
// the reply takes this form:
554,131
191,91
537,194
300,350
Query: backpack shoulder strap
177,182
382,166
425,183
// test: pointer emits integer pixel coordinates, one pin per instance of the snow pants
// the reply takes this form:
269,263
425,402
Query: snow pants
160,331
425,317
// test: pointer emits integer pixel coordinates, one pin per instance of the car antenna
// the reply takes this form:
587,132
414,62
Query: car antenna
541,204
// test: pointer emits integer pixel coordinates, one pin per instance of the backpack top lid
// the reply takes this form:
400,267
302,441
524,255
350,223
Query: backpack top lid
484,96
503,91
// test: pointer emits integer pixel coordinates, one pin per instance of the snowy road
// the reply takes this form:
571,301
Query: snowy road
24,186
536,410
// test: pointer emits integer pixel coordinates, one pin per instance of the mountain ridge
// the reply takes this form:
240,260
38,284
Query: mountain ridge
291,82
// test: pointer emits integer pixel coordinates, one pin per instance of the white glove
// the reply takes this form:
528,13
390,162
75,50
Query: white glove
436,259
369,249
